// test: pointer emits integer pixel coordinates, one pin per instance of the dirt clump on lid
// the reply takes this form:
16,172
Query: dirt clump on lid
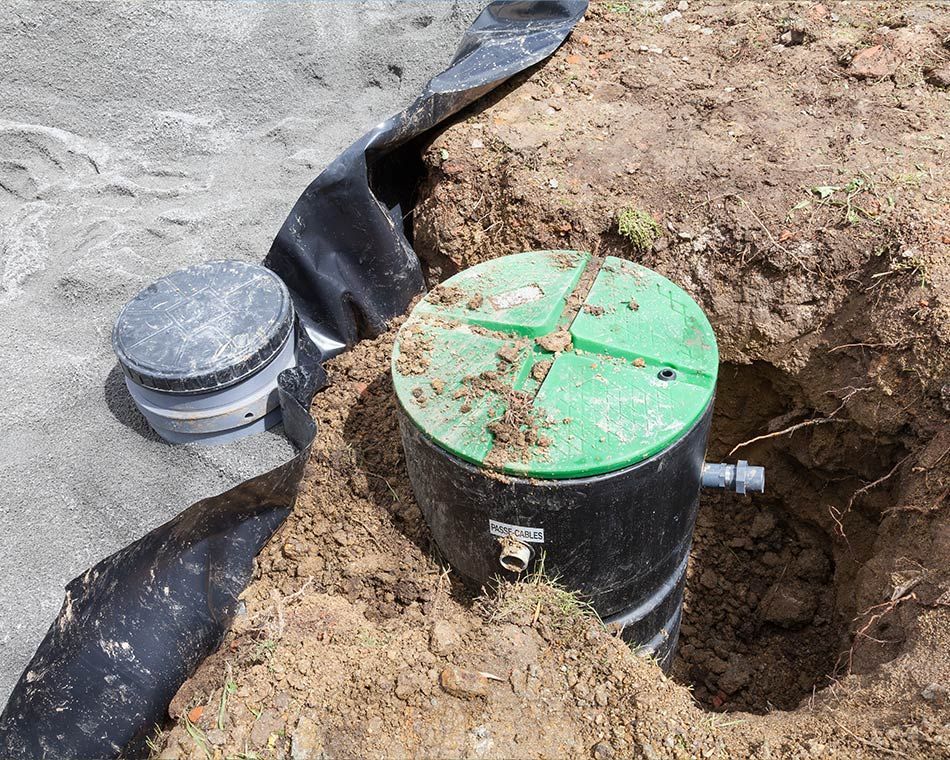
446,295
555,342
540,369
802,203
517,433
517,425
414,351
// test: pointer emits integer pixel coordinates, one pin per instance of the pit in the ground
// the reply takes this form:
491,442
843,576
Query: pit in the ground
765,625
759,628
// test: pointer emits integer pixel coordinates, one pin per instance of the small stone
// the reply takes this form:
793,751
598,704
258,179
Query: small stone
763,524
670,17
478,143
553,183
406,685
216,736
936,693
268,723
793,35
582,691
639,362
786,39
508,352
438,385
602,751
306,742
735,677
709,579
443,638
661,244
716,664
789,605
770,559
600,695
475,302
483,741
465,684
812,565
682,5
876,62
938,77
519,681
633,305
289,550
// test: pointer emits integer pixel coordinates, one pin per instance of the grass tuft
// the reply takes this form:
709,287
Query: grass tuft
537,597
638,228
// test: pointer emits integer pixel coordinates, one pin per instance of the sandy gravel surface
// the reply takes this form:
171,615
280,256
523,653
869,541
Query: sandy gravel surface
135,140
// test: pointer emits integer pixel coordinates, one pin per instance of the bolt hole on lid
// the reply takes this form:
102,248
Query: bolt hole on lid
201,349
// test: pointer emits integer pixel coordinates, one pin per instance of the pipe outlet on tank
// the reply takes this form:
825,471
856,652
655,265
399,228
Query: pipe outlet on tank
515,555
740,477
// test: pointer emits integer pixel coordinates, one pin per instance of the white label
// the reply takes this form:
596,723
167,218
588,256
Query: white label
531,535
516,297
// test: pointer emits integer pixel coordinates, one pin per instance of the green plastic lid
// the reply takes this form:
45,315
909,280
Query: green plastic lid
554,364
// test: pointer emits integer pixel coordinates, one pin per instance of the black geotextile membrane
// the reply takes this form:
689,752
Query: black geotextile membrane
138,623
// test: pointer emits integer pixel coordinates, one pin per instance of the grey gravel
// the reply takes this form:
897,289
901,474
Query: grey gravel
134,140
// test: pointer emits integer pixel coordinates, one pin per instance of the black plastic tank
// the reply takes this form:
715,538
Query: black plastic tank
552,402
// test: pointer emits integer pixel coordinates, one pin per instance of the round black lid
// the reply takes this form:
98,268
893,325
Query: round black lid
203,328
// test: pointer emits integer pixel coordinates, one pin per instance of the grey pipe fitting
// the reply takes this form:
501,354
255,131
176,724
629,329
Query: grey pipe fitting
515,555
740,477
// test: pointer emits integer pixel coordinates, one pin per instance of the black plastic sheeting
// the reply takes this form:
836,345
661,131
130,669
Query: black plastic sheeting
137,624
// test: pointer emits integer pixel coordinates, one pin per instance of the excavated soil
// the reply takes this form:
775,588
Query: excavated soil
792,158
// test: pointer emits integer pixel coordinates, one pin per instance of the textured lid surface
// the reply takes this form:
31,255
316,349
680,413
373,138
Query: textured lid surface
203,328
552,364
